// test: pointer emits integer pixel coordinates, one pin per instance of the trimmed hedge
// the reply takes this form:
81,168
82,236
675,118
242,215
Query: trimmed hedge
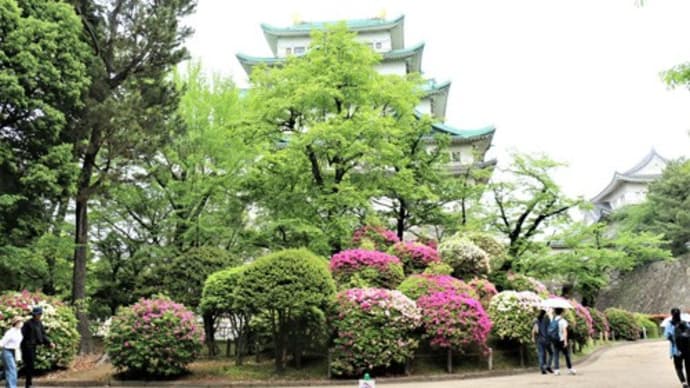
623,324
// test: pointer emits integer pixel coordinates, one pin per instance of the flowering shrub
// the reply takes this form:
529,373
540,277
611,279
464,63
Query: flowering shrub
414,256
581,327
495,249
454,320
416,286
373,328
464,256
485,290
599,322
154,337
378,236
58,319
520,282
438,269
428,241
623,323
375,268
513,314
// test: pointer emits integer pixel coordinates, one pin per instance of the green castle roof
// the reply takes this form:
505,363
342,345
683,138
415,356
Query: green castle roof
352,24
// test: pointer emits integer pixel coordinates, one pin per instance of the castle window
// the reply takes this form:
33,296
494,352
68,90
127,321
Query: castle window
299,50
288,50
379,45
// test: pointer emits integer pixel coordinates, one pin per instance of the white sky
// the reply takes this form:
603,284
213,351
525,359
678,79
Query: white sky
578,80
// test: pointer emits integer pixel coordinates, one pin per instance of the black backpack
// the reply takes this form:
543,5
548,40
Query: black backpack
681,334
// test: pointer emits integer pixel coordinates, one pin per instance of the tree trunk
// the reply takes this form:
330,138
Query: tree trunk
402,212
79,274
210,333
239,347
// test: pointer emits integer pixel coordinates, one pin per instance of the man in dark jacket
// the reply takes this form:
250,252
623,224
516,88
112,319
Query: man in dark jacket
34,334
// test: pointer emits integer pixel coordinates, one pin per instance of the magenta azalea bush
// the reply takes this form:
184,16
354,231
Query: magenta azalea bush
416,286
484,289
513,314
373,328
154,337
376,269
454,321
415,257
599,322
374,237
58,319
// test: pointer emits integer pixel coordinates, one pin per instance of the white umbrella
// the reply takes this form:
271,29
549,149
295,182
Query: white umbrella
556,303
683,317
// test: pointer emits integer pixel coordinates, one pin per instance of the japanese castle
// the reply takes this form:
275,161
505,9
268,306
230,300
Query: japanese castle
468,146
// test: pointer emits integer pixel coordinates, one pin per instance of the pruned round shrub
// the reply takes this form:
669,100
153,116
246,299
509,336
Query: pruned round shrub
416,286
495,249
374,237
519,282
415,257
582,328
153,337
651,328
454,321
599,322
373,329
622,323
513,314
374,268
464,256
58,319
485,290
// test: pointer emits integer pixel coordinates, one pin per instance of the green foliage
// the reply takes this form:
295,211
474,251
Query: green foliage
417,286
527,201
513,314
488,243
58,320
220,291
651,328
519,282
153,338
600,323
42,78
284,285
466,259
438,269
623,323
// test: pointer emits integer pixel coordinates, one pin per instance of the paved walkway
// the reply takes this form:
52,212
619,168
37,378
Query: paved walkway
641,365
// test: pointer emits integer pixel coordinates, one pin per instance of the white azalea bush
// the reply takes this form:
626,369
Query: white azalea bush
513,313
466,258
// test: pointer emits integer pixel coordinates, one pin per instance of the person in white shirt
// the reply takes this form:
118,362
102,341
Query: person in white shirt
10,351
562,344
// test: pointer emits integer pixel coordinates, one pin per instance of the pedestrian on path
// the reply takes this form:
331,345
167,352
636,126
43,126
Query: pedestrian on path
540,337
10,351
678,334
34,334
558,333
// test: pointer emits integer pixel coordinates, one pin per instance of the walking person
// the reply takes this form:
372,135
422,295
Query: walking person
678,334
540,337
9,344
558,333
34,334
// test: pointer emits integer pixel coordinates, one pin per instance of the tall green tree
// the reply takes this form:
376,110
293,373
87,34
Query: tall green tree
331,127
527,200
43,78
135,45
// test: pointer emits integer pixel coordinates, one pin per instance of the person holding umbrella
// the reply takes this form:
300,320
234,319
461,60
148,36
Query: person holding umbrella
678,334
34,334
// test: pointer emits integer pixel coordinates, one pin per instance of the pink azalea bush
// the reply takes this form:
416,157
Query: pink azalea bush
599,322
58,319
375,268
373,328
154,337
582,327
454,321
415,257
484,289
513,314
416,286
374,237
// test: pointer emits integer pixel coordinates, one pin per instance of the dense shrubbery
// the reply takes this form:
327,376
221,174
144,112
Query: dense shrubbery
513,314
519,282
416,286
58,319
650,327
373,268
489,244
415,257
454,321
623,324
374,237
464,256
485,290
374,328
599,322
581,327
154,337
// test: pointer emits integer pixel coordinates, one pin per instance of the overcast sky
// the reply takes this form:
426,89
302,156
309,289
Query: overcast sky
578,80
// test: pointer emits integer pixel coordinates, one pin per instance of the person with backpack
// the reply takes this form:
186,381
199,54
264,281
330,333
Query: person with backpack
678,334
540,336
558,334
